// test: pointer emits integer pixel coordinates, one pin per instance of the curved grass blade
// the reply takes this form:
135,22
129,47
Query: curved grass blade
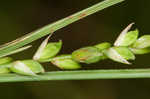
9,47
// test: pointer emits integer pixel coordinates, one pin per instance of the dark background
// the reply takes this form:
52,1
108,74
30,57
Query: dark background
18,17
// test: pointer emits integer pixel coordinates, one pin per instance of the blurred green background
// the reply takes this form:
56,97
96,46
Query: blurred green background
18,17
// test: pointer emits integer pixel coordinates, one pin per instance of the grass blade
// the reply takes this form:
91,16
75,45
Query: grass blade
79,75
8,47
17,50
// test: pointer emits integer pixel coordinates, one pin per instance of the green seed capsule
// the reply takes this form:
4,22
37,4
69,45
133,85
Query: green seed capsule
120,54
65,62
5,64
51,50
140,51
4,68
47,51
127,38
103,46
5,60
87,55
27,67
142,42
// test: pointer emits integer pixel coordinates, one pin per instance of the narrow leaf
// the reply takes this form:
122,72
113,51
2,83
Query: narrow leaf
11,46
16,51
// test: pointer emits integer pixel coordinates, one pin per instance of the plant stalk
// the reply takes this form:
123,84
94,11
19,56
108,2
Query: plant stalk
79,75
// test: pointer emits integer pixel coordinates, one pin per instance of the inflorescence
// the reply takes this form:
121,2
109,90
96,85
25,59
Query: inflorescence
124,49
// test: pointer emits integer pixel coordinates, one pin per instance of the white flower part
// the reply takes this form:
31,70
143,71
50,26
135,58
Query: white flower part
23,67
41,48
122,35
116,56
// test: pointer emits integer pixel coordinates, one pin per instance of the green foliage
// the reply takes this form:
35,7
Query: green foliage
10,47
123,50
91,54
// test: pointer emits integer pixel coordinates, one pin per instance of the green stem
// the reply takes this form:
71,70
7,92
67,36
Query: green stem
79,75
7,48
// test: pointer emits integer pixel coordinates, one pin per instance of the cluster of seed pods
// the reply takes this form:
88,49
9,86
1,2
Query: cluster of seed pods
124,49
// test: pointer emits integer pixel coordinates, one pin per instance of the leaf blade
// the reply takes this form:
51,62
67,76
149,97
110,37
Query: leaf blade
28,38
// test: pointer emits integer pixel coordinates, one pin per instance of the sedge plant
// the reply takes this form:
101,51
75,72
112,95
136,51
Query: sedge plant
124,49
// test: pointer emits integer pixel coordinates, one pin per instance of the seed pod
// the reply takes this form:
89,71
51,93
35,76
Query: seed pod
5,64
142,42
4,68
47,51
120,54
103,46
127,38
140,51
5,60
27,67
65,62
87,55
